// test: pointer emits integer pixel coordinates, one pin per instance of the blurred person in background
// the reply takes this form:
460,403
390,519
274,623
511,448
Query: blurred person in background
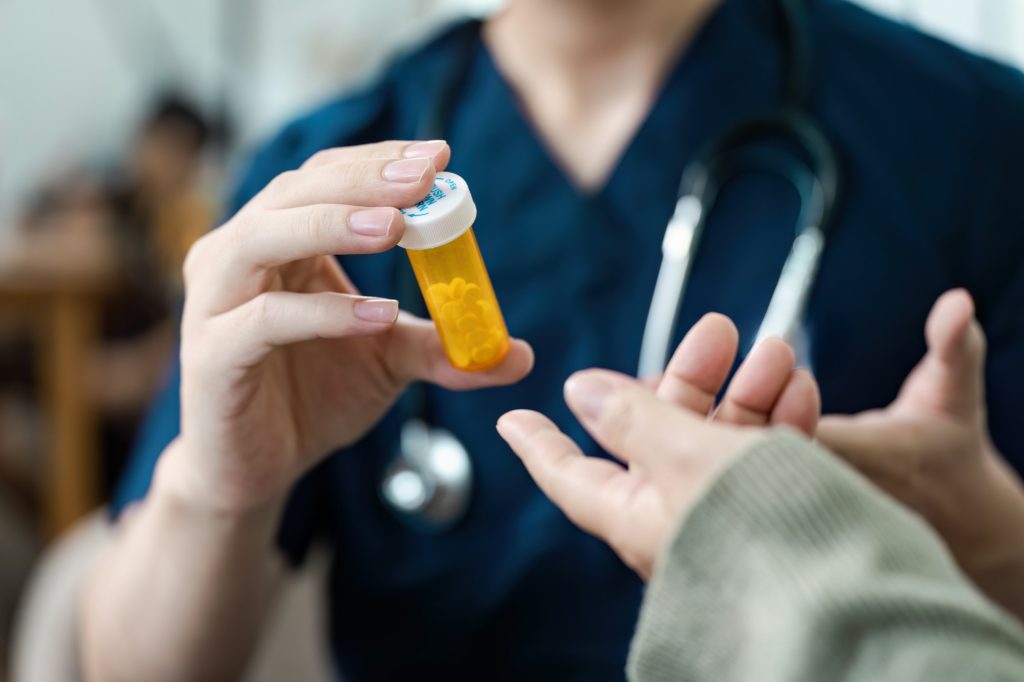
573,122
156,211
140,218
135,221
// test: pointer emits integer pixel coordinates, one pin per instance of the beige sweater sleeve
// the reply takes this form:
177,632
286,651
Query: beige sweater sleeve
792,567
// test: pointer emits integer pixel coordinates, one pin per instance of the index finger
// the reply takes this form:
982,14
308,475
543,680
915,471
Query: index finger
628,419
436,150
588,489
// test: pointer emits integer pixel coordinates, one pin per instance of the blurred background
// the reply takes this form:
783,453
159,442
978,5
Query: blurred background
121,122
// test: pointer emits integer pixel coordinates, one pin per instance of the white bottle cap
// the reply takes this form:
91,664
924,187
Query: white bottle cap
441,216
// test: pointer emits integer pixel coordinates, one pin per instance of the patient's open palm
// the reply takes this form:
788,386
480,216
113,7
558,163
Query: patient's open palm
931,450
668,448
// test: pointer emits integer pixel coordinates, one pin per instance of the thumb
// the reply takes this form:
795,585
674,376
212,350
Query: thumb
414,353
950,377
954,335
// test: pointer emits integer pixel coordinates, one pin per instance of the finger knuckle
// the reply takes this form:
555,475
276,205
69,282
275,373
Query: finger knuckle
196,258
355,174
241,229
316,225
389,148
260,311
321,313
236,241
282,182
320,158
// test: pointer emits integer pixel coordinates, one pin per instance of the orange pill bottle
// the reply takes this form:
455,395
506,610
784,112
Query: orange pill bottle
451,274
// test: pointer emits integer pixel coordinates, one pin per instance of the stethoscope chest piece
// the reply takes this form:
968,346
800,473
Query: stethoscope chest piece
429,483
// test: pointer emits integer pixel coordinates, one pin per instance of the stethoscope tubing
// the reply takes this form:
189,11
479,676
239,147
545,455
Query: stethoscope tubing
812,169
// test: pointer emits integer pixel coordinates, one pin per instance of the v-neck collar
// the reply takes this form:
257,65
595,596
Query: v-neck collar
696,68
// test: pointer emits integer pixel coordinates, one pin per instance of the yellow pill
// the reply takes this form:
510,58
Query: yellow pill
458,288
469,323
483,353
472,295
453,310
456,338
439,293
477,338
449,326
459,356
490,314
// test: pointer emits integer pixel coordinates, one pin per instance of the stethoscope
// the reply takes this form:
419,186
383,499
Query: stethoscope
429,482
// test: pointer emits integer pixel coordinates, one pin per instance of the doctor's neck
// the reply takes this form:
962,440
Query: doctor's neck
581,35
587,71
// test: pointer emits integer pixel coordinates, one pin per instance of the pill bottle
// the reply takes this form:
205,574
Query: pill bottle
451,274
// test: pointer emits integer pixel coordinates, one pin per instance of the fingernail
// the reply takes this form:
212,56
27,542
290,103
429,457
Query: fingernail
377,310
507,426
371,222
406,170
428,149
586,393
502,428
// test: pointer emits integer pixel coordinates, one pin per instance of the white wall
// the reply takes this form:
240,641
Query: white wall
994,27
75,74
68,88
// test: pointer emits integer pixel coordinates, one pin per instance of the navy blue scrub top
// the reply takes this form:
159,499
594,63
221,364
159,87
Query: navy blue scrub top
932,140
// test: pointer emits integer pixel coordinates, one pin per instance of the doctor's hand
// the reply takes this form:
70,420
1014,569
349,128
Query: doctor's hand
282,359
669,449
930,449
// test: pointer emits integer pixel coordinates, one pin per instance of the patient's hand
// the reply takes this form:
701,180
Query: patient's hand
931,450
670,448
766,389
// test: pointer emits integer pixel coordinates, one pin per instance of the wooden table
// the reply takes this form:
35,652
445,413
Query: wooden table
58,287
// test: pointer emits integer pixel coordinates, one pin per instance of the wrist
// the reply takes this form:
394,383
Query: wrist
997,564
991,542
184,492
